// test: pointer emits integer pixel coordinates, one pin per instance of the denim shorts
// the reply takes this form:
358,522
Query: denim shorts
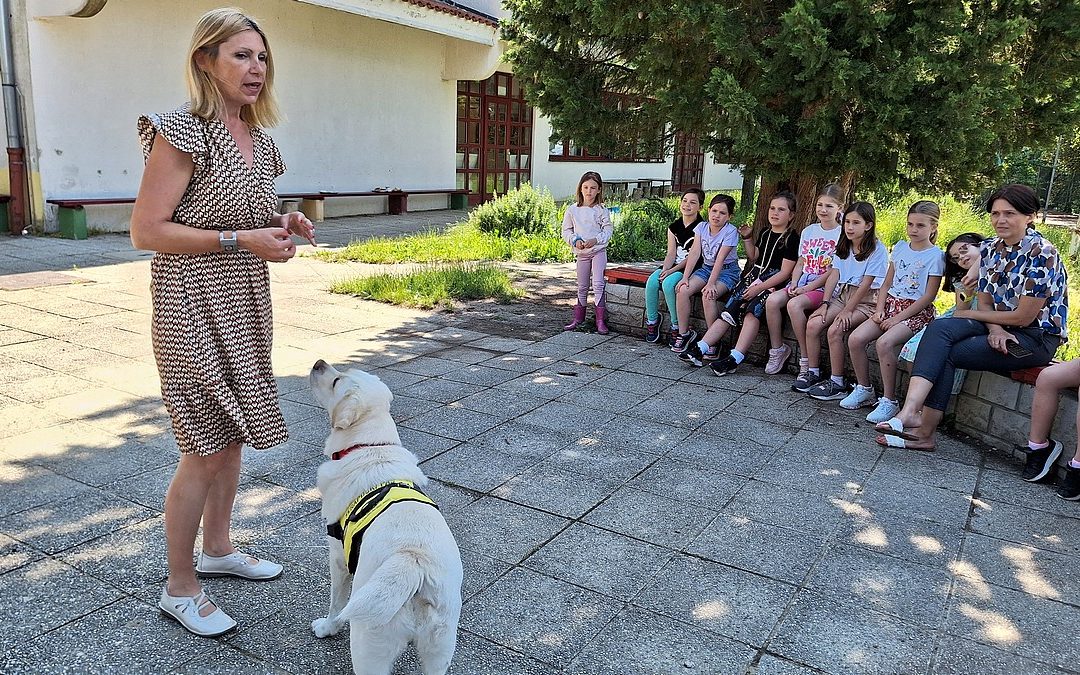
729,274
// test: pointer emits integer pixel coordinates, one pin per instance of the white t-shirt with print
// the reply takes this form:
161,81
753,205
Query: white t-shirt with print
852,270
912,270
712,243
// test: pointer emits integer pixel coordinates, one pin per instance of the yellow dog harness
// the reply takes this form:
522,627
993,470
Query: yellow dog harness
362,512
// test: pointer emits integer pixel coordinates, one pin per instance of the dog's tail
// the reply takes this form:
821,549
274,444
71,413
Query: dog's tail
387,591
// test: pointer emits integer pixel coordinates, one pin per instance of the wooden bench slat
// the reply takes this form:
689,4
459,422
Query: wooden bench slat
78,203
634,274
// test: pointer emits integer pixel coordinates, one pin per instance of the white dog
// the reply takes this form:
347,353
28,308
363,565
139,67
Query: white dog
406,586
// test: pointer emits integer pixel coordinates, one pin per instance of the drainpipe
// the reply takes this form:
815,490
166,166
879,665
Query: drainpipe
16,153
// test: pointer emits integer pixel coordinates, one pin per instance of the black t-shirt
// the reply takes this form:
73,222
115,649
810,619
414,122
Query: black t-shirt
774,249
684,234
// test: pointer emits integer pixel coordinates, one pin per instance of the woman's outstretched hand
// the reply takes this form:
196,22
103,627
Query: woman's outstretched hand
298,224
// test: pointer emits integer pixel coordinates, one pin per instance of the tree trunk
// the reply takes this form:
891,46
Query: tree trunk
749,182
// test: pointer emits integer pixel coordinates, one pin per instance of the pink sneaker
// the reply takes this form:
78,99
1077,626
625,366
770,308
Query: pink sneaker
777,359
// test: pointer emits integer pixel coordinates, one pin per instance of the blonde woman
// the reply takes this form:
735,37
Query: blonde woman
206,206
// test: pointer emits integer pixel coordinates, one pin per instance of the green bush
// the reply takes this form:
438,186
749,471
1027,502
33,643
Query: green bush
957,217
520,211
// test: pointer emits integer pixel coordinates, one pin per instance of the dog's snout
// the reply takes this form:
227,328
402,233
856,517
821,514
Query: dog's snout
319,365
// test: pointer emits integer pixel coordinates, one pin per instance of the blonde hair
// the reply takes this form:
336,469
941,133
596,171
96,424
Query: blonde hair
215,27
925,207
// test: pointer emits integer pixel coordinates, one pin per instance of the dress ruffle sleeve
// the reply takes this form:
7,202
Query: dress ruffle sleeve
180,128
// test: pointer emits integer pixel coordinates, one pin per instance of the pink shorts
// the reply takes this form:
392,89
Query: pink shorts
816,297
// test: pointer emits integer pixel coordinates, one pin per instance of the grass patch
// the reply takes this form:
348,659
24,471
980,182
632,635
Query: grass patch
433,287
459,243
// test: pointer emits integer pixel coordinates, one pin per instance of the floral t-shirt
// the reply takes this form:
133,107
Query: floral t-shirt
816,248
912,270
1031,268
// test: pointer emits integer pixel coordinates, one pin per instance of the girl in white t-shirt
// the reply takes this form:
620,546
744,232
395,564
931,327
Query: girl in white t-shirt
587,229
858,271
904,308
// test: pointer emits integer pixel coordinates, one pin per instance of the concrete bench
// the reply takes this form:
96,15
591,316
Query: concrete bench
71,213
397,201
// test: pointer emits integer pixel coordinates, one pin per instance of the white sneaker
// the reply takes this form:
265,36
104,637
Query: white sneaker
859,397
237,564
885,411
777,359
186,611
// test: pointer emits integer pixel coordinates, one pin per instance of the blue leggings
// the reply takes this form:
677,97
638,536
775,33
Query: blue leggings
951,343
652,295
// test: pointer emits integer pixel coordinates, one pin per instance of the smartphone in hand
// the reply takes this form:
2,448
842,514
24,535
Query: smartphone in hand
1017,350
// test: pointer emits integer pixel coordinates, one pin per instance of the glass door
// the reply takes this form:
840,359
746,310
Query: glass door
494,137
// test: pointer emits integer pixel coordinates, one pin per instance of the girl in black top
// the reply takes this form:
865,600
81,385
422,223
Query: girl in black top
680,236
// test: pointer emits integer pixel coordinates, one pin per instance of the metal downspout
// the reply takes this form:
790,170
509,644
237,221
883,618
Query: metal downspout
13,120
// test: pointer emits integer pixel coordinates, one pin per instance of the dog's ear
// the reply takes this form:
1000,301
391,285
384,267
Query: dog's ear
347,412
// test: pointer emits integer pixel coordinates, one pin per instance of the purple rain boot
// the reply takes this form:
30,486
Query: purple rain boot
601,317
579,317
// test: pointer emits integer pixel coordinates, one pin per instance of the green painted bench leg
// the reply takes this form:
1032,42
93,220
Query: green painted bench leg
5,218
459,201
73,223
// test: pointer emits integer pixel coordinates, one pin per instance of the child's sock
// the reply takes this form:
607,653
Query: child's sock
737,355
704,347
1074,464
814,371
1038,446
839,379
860,387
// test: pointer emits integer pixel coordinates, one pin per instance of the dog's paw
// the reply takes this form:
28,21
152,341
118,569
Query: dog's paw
325,627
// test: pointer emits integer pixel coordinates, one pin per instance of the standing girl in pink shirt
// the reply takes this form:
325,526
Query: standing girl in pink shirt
587,229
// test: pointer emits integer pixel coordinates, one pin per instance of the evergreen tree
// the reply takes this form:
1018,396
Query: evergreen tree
930,93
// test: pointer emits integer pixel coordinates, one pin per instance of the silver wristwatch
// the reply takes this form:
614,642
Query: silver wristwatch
228,244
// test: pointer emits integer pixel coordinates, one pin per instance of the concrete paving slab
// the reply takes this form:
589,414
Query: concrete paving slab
772,665
632,433
1013,621
600,460
957,656
860,640
566,418
1004,487
718,598
772,551
479,374
913,592
600,560
892,533
62,524
638,642
27,596
548,383
422,444
818,515
929,469
561,492
126,636
828,473
652,518
915,500
15,554
1034,571
671,478
407,407
505,531
706,449
457,423
547,619
685,405
476,467
480,572
738,427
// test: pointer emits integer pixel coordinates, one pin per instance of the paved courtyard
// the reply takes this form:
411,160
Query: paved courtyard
617,512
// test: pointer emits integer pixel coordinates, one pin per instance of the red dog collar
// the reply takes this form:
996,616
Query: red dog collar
341,453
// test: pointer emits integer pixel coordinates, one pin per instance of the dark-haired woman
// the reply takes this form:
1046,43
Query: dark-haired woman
1019,322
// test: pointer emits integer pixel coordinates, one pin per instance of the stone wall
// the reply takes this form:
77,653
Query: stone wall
992,408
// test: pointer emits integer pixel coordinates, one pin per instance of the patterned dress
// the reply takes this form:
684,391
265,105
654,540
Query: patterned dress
212,323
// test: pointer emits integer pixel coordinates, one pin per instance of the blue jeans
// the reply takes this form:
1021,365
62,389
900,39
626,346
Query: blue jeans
951,343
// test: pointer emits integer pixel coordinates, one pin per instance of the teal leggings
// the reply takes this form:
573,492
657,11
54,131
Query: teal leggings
652,296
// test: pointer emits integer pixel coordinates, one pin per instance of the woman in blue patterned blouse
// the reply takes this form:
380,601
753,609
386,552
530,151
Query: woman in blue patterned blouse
1020,320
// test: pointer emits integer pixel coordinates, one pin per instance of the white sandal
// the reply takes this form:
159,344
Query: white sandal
186,611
